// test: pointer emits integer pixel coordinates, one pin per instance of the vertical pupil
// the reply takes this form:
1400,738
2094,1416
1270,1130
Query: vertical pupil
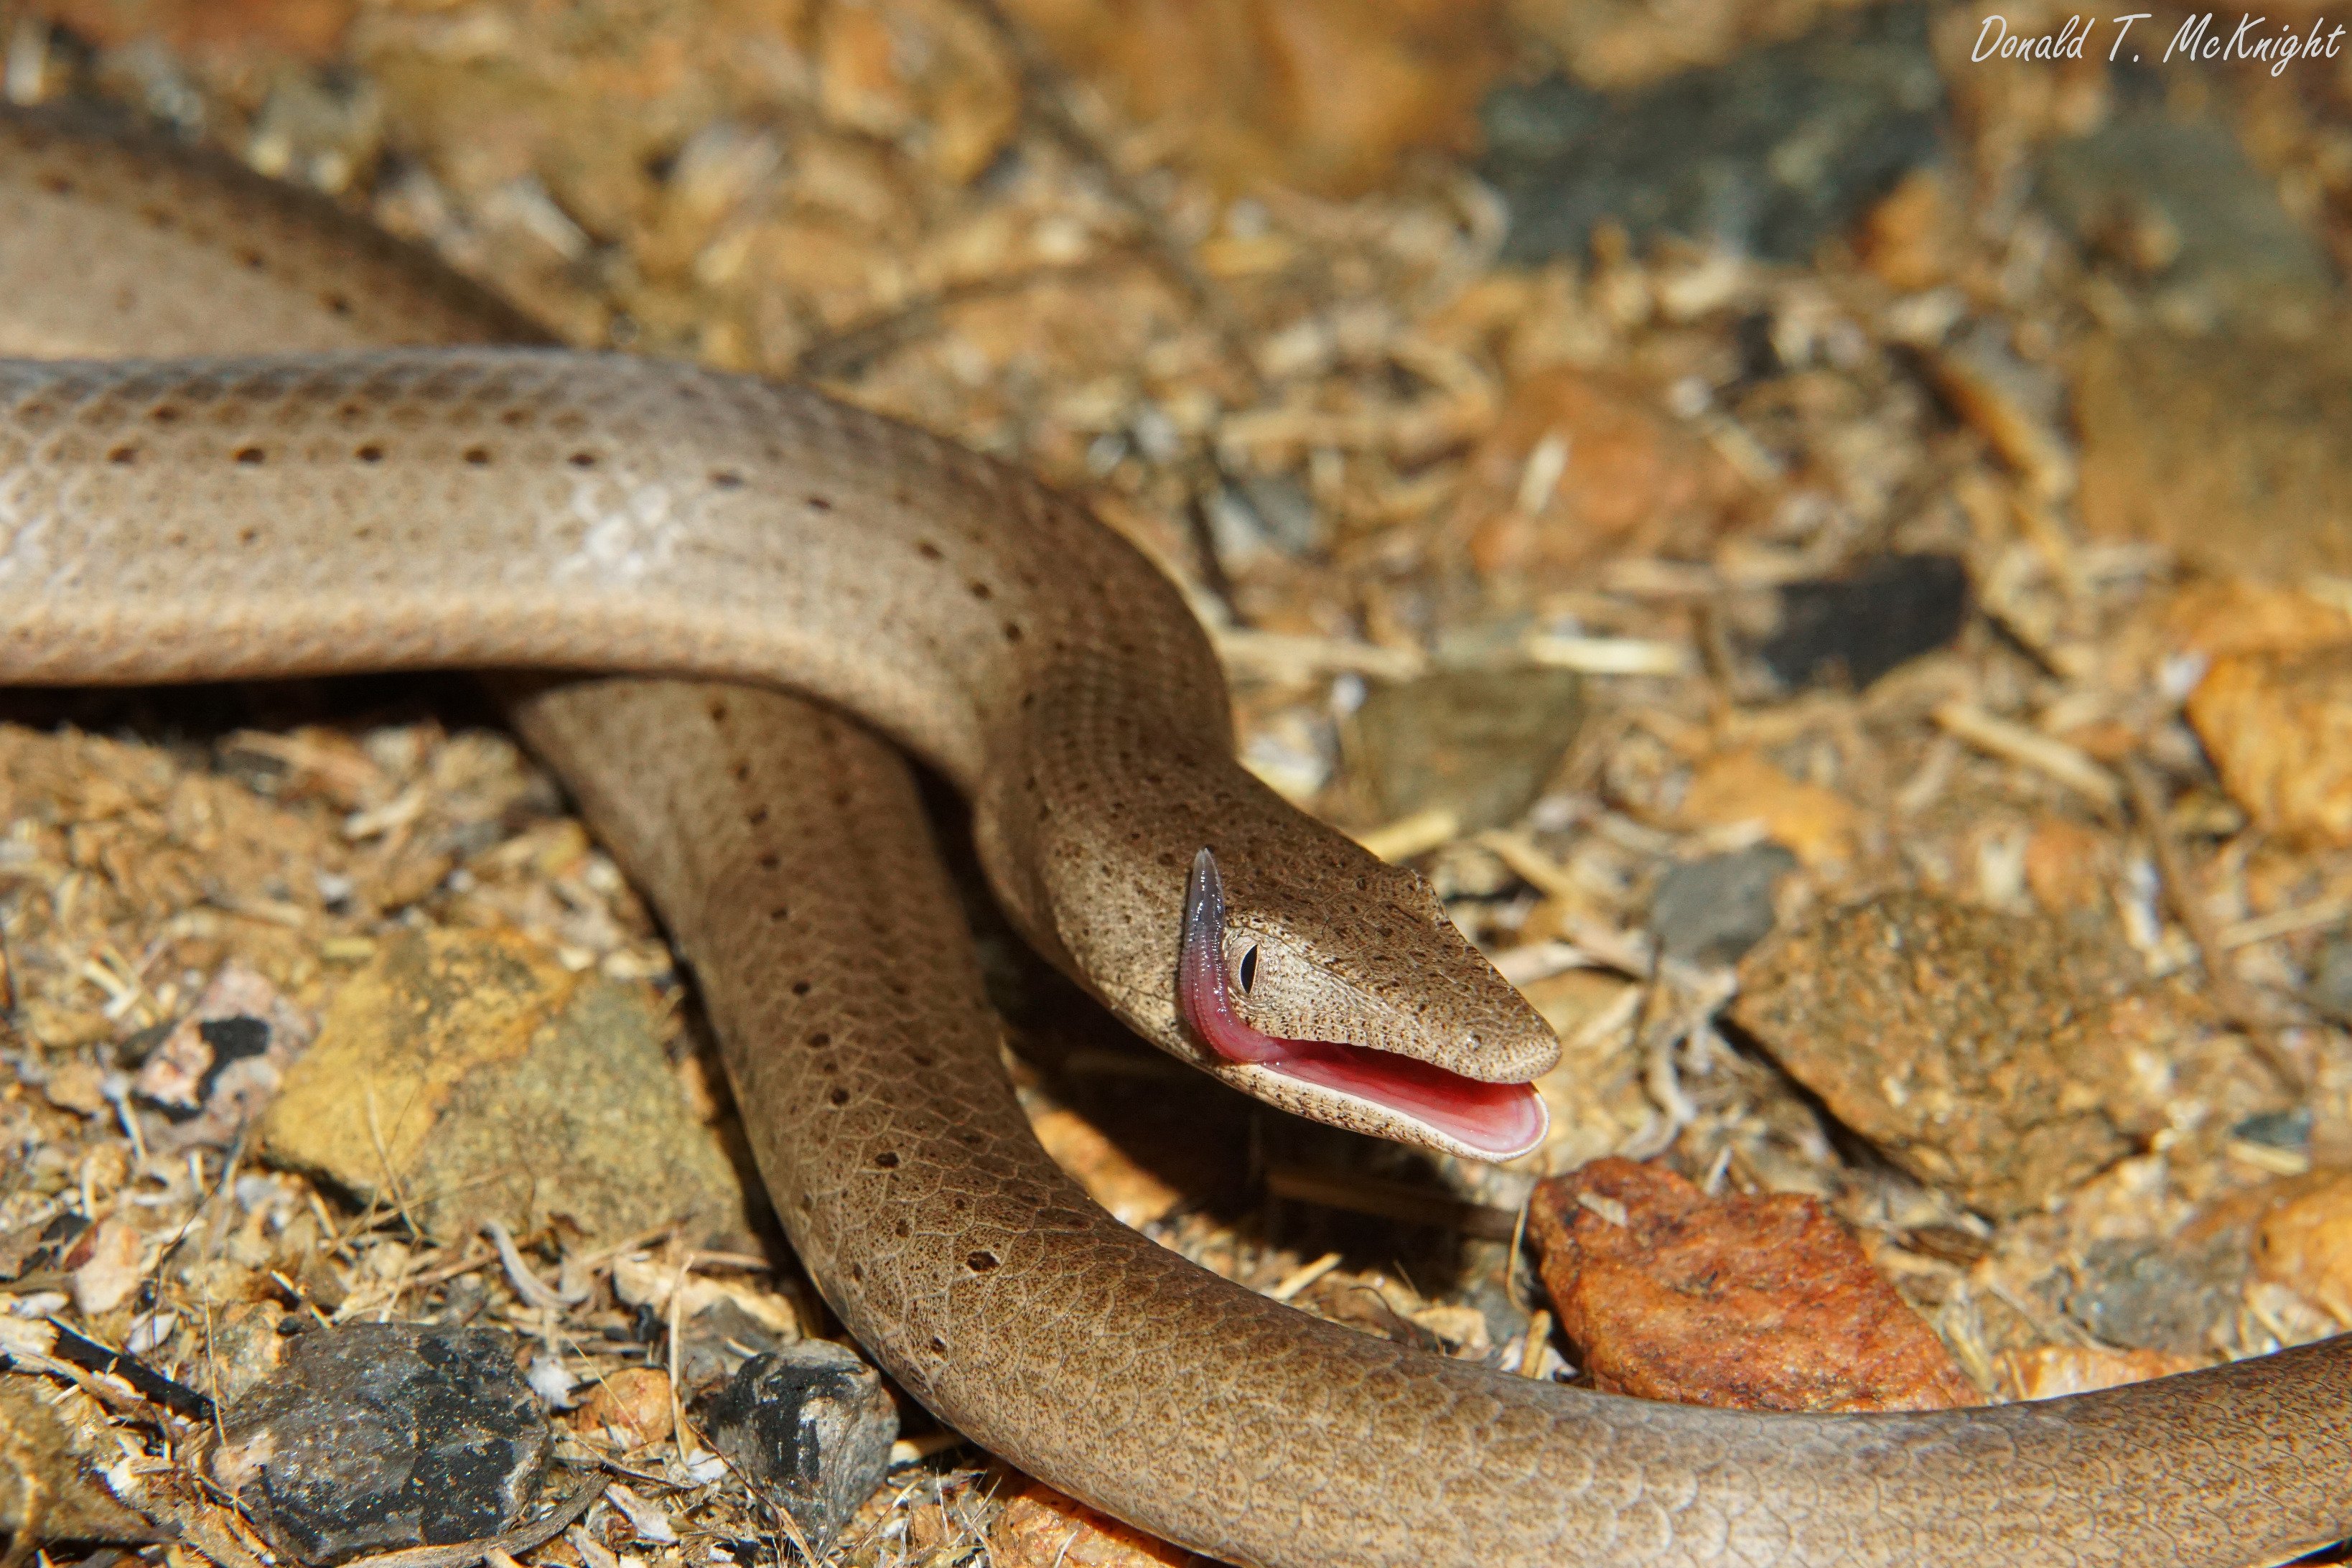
1249,966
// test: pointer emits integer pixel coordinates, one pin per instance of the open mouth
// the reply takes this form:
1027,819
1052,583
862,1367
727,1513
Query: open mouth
1498,1120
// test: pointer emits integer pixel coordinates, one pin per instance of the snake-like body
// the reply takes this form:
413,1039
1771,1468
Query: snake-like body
367,505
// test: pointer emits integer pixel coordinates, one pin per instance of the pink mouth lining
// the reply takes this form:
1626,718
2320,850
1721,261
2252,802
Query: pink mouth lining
1498,1120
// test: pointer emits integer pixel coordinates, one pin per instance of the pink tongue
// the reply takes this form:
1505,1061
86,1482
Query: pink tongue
1499,1119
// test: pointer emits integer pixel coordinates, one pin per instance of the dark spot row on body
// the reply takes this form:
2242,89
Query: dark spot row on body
837,1097
982,1261
888,1160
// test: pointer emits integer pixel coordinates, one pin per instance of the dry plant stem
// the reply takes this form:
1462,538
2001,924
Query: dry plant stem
2228,992
785,849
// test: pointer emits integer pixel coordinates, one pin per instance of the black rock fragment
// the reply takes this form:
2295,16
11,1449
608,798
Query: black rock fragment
810,1425
1884,613
376,1437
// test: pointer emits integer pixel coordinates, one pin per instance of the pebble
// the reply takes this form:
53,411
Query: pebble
2305,1245
110,1270
1582,466
1135,1195
2169,1295
378,1437
1820,825
2069,869
2233,452
1477,743
2176,205
1714,910
217,1069
630,1407
245,1349
1318,95
57,1451
1768,153
2279,730
1041,1528
1988,1053
1757,1302
2052,1372
465,1076
2228,617
2331,980
2019,407
1883,612
810,1423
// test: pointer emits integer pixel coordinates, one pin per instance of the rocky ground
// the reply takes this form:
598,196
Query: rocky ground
1834,555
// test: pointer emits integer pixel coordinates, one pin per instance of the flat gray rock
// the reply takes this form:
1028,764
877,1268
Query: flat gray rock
376,1437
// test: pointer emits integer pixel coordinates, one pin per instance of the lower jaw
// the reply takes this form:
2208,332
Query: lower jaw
1498,1120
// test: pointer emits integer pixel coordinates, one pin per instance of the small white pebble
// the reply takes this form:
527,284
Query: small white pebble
551,1383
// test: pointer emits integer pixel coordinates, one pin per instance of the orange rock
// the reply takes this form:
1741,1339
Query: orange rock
1759,1303
1580,465
1321,94
1820,826
2067,866
631,1406
311,30
2305,1245
1043,1528
1911,237
2279,730
2048,1372
110,1270
2219,619
919,65
1134,1195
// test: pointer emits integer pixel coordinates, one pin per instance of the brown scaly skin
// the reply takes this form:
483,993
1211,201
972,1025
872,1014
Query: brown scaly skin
783,849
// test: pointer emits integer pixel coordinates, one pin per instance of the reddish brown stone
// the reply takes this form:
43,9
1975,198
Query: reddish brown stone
1043,1528
1762,1302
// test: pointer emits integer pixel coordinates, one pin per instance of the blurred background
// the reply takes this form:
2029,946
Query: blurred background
1732,489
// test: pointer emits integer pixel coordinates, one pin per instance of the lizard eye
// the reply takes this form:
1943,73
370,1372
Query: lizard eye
1248,972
